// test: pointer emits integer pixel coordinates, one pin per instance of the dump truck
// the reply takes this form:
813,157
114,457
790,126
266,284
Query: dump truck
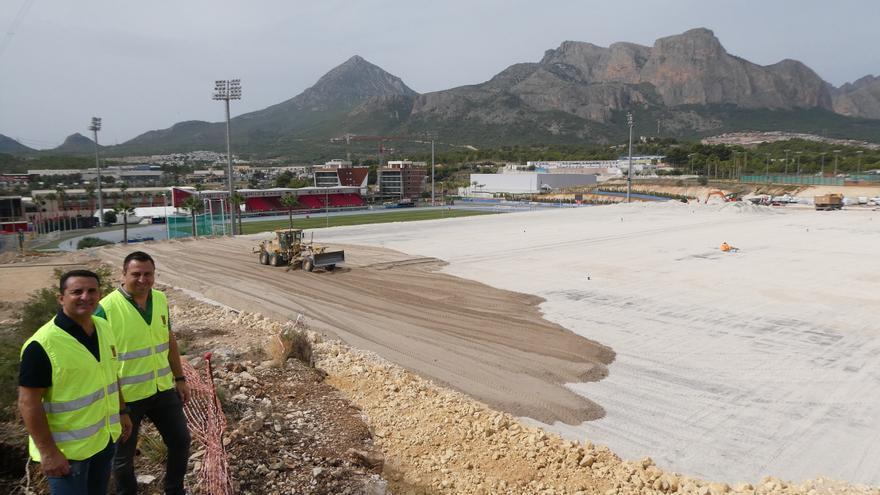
828,202
289,248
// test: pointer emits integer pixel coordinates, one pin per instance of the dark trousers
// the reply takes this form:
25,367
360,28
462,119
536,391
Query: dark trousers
166,412
86,477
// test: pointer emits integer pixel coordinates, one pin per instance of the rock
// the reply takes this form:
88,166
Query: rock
587,461
718,488
145,479
317,472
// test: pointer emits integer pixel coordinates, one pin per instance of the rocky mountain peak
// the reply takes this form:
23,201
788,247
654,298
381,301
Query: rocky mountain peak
695,45
357,79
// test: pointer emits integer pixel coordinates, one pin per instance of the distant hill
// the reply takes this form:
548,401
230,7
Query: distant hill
317,113
686,84
75,144
13,147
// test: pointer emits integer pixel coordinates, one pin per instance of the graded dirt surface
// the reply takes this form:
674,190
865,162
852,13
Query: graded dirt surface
491,344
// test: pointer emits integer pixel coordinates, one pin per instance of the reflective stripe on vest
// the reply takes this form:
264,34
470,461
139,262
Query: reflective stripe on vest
67,436
127,356
72,405
131,380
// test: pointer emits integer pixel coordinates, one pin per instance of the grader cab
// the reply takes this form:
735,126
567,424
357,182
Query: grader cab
289,248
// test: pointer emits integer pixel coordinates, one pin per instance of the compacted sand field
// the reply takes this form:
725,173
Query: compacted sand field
727,366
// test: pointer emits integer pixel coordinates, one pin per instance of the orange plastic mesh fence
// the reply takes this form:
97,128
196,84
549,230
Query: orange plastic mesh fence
207,424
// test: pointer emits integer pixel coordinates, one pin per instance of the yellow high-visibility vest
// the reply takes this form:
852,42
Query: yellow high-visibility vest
82,405
143,348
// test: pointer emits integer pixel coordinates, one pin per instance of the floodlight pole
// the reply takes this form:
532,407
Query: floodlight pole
629,173
229,90
95,127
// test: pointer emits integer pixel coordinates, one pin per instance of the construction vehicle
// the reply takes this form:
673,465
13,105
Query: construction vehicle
288,248
828,202
725,197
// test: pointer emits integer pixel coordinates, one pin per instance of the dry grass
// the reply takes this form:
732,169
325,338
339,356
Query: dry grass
151,446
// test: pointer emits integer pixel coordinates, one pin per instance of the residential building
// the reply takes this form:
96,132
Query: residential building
402,179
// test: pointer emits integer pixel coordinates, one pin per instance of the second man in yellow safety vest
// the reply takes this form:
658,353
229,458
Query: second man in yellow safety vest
150,372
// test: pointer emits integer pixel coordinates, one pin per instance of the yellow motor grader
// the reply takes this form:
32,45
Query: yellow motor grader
288,248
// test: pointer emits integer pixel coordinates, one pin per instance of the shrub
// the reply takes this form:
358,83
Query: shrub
110,217
87,242
702,180
290,342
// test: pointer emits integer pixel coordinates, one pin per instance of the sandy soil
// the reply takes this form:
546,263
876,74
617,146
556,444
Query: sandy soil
491,344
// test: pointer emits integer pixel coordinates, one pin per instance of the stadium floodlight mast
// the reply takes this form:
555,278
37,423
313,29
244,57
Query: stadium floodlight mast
228,90
629,174
95,127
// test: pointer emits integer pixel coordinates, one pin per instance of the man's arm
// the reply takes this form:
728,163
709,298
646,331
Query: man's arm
176,368
124,417
30,405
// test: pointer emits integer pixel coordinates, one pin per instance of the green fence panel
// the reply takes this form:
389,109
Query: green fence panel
800,180
180,226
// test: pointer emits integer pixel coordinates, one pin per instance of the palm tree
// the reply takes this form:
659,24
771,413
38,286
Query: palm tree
290,200
236,200
62,206
90,194
195,207
52,197
124,208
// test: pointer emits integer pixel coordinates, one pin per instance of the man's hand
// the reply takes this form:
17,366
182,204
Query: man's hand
183,392
125,422
54,463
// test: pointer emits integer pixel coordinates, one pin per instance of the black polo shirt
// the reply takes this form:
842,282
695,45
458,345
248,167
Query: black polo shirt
36,369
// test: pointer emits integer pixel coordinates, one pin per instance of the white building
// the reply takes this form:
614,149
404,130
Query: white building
528,182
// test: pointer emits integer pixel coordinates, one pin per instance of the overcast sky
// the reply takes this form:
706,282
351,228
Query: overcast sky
147,65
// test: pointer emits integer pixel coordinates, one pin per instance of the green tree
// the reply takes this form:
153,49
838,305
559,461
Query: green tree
195,206
290,200
283,179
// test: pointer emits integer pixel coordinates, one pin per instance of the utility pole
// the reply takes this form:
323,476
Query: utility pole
822,166
836,156
629,174
786,161
798,153
767,167
95,127
225,91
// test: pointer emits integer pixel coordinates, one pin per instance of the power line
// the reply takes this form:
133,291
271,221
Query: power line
10,32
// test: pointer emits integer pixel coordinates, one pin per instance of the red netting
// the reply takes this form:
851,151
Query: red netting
207,424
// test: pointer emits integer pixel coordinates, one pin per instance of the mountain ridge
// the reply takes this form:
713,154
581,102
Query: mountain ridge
577,91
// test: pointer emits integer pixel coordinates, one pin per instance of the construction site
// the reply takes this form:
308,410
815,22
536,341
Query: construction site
603,350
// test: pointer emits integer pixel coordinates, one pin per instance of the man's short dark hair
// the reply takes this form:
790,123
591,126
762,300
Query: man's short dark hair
137,256
77,273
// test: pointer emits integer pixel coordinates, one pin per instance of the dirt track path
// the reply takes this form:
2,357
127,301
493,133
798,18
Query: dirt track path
488,343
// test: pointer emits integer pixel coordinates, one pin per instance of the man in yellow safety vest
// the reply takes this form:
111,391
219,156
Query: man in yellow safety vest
69,394
150,372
